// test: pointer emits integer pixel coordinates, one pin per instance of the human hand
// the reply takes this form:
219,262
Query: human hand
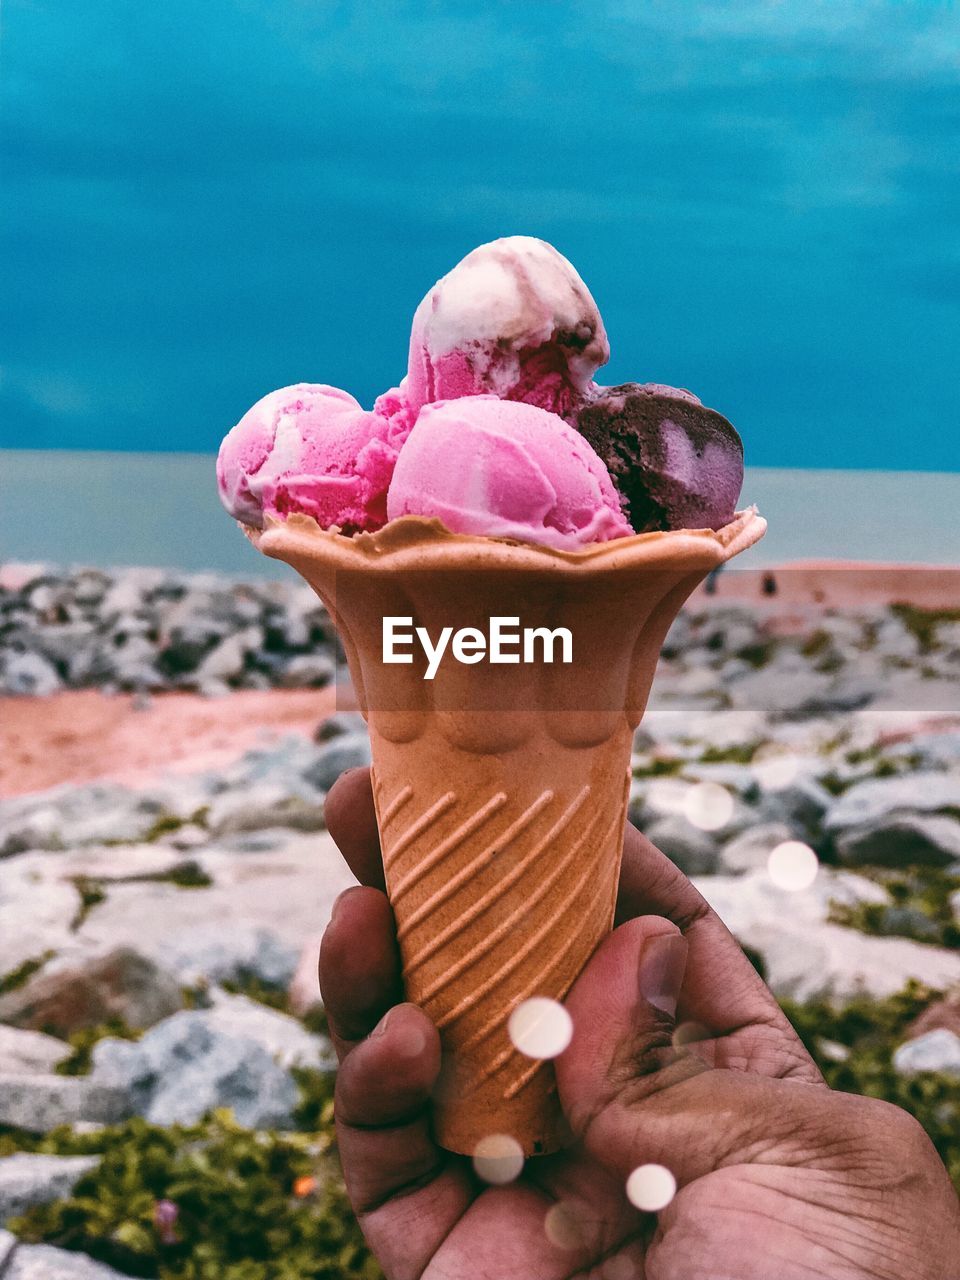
778,1177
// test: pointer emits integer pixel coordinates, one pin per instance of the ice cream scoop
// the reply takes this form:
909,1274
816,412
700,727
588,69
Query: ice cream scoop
512,319
676,463
312,449
505,470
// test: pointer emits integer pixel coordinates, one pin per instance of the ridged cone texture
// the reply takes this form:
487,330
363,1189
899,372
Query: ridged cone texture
501,791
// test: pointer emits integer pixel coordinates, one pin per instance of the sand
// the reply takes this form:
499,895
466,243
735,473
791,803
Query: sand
84,735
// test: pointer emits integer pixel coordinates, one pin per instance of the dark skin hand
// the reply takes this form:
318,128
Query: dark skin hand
779,1178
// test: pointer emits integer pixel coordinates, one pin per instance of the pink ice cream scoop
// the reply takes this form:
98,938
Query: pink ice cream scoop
313,449
505,470
512,319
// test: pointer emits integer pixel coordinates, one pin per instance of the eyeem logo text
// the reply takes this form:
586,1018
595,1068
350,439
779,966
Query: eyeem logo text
506,642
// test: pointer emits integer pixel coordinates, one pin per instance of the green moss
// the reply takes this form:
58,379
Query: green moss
658,767
163,826
923,622
254,988
924,892
833,783
249,1205
20,976
316,1020
758,655
817,643
168,822
83,1041
742,754
92,893
871,1030
185,875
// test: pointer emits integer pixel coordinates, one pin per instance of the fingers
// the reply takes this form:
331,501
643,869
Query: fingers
352,821
359,965
723,995
407,1193
631,1097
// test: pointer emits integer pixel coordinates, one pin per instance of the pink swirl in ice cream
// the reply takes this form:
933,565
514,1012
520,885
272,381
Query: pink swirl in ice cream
313,449
512,319
505,470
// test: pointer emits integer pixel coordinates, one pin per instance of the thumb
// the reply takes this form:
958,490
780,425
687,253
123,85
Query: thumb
623,1008
627,1093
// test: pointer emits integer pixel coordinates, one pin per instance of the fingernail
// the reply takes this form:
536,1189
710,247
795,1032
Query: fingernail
381,1026
662,966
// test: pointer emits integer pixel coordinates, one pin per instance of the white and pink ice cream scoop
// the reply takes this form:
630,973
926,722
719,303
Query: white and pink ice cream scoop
512,319
313,449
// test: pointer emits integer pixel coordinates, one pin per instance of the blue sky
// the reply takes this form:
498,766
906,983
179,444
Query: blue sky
206,200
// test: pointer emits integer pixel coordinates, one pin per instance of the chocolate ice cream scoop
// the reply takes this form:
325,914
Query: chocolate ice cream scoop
676,463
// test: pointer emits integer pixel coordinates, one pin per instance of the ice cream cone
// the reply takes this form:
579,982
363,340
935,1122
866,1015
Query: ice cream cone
501,790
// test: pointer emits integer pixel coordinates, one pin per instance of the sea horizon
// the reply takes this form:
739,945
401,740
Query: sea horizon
113,509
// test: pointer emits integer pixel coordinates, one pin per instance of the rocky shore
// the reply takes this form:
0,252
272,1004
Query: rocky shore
158,936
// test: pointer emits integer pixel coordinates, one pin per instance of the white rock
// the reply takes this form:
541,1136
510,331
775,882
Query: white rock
220,931
308,670
303,993
29,673
27,1179
936,1051
44,1262
800,803
785,693
804,956
869,801
927,839
694,851
284,1038
893,640
8,1242
36,910
25,826
187,1065
750,850
25,1053
227,659
348,751
262,806
738,778
40,1103
701,684
719,728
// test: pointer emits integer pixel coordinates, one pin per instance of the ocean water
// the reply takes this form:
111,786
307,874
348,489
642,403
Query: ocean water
112,509
234,195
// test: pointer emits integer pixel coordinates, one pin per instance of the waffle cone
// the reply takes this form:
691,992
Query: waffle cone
501,790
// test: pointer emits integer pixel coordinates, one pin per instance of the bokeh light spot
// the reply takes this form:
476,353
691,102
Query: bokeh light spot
540,1027
498,1159
563,1226
708,806
651,1187
686,1034
793,866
